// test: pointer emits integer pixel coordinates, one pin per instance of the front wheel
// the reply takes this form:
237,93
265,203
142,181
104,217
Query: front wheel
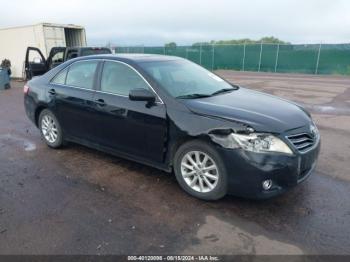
200,170
50,129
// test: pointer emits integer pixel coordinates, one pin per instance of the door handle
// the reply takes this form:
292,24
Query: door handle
52,92
100,102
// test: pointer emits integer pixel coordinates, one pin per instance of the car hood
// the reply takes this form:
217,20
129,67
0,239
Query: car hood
263,112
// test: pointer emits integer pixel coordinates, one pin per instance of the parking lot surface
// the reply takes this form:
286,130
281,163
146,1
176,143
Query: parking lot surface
79,201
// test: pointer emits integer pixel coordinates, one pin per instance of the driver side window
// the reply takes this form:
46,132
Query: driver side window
118,78
35,57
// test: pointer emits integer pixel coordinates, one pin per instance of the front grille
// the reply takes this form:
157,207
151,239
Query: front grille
304,173
302,142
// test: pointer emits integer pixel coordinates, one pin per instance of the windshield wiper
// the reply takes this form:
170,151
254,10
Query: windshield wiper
224,90
197,95
193,96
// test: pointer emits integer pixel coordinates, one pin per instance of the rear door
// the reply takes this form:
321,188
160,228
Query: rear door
71,92
56,57
35,63
70,54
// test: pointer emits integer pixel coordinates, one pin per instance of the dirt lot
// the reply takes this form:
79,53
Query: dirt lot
79,201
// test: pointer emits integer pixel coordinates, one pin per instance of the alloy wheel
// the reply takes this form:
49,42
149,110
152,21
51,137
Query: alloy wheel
199,171
49,129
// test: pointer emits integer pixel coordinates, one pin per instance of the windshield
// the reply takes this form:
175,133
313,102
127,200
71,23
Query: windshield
184,79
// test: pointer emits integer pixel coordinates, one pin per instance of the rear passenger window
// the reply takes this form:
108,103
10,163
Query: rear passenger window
119,79
60,78
81,74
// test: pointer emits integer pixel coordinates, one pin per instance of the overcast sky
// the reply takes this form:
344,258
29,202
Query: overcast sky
154,22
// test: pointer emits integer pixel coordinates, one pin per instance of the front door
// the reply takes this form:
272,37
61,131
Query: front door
35,63
130,127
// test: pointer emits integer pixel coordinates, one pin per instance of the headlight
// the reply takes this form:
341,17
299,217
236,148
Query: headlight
314,130
255,142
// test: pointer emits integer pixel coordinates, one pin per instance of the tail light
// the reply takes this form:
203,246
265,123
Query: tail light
26,89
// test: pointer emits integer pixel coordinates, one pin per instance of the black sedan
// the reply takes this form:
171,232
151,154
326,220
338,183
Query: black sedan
174,115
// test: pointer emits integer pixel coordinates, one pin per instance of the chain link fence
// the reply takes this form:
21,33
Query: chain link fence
280,58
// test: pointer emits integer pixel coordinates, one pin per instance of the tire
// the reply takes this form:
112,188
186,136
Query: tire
200,190
47,123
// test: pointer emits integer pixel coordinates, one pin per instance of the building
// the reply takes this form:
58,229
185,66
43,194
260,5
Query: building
15,40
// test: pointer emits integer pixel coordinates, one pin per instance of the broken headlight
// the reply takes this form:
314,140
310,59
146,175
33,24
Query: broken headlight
254,142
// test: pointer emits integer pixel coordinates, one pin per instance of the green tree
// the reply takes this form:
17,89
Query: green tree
272,40
171,45
266,40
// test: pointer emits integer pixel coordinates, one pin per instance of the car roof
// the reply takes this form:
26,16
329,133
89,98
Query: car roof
136,58
85,47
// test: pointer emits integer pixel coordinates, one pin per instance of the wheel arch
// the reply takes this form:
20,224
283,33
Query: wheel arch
204,145
174,146
38,110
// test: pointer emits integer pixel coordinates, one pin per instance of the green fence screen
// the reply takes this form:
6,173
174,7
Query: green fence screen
281,58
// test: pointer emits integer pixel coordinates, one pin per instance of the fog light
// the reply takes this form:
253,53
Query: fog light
267,184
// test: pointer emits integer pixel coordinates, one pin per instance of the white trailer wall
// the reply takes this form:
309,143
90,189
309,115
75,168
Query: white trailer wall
14,41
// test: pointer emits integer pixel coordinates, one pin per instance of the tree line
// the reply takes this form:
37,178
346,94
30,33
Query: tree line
265,40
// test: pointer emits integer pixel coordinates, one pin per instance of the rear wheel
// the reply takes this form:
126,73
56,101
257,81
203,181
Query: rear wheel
200,170
50,129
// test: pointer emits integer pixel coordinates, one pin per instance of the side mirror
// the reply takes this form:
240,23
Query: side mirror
37,60
141,94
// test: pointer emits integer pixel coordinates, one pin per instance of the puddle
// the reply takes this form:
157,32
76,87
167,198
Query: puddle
219,237
26,144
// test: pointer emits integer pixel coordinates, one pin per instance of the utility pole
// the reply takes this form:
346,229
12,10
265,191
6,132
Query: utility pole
243,63
318,59
277,54
260,56
213,57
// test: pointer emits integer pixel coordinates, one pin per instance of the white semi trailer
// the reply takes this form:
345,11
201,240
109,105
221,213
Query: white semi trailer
14,41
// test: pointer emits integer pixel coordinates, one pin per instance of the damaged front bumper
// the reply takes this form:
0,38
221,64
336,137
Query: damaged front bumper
247,171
